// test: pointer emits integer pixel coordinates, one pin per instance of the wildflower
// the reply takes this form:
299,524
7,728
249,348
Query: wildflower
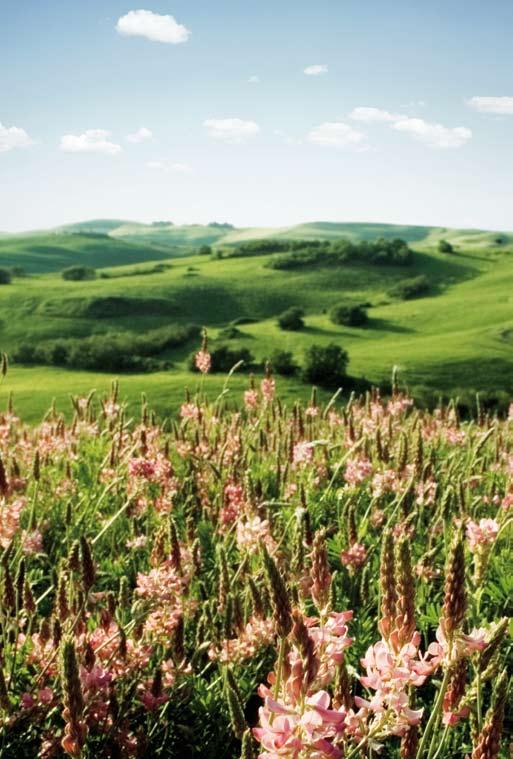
251,399
481,534
32,542
355,556
302,453
203,359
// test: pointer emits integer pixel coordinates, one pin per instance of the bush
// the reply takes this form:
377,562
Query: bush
283,363
291,319
325,365
5,276
205,250
109,352
349,314
78,273
445,247
407,289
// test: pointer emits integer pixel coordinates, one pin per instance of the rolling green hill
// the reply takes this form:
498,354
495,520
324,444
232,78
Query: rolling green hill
457,338
54,251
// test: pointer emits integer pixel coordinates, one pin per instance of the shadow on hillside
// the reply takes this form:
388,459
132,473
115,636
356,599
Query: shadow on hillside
442,270
385,325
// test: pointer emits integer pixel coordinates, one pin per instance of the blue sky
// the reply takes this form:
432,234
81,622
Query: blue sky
267,113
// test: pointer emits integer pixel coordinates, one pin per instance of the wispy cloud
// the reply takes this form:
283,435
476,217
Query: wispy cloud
316,69
91,141
254,79
231,130
370,115
169,166
13,137
434,135
152,26
141,135
500,105
336,134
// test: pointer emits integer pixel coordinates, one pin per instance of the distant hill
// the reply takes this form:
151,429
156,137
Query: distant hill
114,242
38,253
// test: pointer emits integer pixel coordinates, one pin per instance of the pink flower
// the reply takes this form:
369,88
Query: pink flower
203,361
32,542
481,534
268,388
189,411
302,453
355,556
357,470
251,399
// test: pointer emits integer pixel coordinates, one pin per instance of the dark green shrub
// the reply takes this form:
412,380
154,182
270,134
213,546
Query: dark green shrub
291,319
407,289
325,365
78,273
283,363
445,247
5,276
205,250
349,314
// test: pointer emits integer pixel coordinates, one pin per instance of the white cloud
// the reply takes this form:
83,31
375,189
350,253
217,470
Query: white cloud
169,166
231,130
254,79
501,105
336,134
369,115
13,137
434,135
316,69
153,26
141,135
91,141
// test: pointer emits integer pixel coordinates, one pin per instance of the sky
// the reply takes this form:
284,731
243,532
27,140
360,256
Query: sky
265,113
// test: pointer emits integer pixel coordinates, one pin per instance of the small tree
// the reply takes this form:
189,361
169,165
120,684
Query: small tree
205,250
283,362
445,247
78,273
325,365
291,319
5,276
348,314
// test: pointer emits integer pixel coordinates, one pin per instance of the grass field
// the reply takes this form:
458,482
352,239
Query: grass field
460,337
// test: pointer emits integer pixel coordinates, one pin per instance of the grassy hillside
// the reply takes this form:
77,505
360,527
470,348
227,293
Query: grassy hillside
52,251
457,338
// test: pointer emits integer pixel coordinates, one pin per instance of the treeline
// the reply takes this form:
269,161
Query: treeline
261,247
379,252
111,351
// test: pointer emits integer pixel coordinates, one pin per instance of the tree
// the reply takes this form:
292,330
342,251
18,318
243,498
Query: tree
283,362
291,319
78,273
349,314
5,276
325,365
445,247
205,250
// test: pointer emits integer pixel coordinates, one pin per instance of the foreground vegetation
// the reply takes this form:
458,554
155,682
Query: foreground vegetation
153,575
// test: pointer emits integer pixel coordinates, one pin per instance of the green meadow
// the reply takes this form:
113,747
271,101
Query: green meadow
457,339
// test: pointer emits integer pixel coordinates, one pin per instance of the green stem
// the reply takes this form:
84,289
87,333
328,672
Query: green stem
433,719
